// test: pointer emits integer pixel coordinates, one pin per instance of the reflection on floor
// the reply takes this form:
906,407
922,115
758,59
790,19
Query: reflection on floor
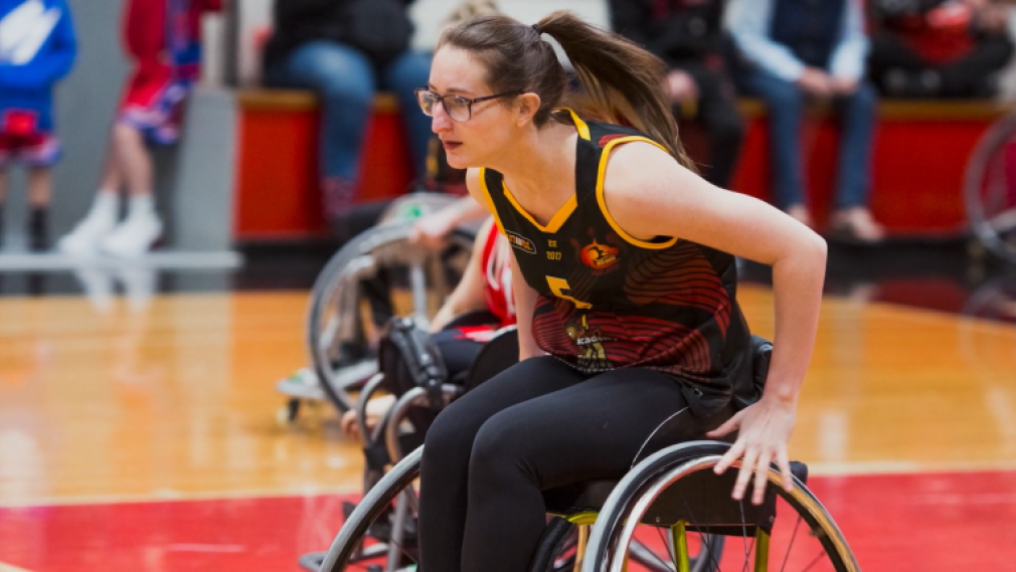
140,433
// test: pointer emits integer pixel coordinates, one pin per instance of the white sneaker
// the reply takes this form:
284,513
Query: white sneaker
133,237
85,237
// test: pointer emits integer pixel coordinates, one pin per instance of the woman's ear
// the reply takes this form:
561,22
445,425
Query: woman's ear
528,104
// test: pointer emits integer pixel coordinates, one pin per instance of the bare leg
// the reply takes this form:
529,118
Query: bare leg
40,187
142,227
102,217
133,159
111,179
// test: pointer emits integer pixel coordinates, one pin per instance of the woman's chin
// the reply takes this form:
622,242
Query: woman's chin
458,161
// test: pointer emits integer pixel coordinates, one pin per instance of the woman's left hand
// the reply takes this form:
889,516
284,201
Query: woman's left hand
765,429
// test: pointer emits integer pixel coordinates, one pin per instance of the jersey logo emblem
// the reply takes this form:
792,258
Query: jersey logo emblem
599,256
593,356
520,242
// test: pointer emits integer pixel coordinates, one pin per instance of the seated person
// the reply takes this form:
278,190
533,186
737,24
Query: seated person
688,36
485,286
938,48
331,47
794,51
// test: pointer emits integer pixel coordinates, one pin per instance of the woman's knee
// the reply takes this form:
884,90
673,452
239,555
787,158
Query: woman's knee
451,435
497,447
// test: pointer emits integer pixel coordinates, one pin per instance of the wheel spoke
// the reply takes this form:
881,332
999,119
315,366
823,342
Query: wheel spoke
793,538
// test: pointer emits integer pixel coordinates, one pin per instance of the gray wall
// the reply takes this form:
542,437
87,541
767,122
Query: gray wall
193,187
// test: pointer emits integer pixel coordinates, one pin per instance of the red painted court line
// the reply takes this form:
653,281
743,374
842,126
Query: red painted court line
927,522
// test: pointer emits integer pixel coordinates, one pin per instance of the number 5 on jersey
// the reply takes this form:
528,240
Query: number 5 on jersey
559,285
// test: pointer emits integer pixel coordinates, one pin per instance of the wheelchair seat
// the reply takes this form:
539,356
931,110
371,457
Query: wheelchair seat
701,498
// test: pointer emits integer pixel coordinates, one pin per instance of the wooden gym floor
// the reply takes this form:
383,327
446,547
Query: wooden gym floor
141,435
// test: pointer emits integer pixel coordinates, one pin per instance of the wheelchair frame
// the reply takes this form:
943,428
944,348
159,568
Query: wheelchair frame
336,289
987,230
604,549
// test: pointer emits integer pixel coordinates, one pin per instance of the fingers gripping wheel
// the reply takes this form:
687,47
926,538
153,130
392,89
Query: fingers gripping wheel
376,275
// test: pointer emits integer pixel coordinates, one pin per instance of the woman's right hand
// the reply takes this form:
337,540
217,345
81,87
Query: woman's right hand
432,229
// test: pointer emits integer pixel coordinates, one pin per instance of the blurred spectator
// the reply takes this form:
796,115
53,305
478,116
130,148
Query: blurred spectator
795,50
688,35
346,50
939,48
163,38
37,48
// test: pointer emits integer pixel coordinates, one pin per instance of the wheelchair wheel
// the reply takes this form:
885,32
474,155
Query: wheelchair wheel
561,543
675,489
380,534
989,191
376,275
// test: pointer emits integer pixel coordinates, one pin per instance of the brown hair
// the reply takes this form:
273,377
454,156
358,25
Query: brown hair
622,82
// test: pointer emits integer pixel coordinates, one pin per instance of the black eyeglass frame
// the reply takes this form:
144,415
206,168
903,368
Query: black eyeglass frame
469,102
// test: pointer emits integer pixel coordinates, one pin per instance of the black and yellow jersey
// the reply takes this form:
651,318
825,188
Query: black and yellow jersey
608,300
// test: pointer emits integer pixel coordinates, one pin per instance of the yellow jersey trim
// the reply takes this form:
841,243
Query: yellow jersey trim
490,201
600,176
556,221
562,213
580,125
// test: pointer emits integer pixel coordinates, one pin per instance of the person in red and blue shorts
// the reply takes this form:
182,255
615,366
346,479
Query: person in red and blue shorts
162,37
37,49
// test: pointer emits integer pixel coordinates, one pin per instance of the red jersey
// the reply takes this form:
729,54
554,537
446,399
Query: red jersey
497,278
161,32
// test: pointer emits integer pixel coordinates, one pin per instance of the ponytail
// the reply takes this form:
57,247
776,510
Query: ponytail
621,82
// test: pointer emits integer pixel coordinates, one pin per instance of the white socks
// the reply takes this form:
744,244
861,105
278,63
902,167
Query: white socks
106,206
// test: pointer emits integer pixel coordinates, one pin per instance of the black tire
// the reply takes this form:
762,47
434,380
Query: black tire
376,502
695,456
554,541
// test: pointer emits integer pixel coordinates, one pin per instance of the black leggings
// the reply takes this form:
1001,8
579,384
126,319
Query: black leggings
536,426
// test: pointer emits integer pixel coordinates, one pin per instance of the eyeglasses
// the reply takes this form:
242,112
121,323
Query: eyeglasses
457,107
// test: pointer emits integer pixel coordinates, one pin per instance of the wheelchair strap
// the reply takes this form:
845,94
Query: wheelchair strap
421,357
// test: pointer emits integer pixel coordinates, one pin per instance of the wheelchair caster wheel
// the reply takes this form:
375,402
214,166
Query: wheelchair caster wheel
286,415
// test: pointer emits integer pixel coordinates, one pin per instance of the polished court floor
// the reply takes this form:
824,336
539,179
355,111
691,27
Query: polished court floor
140,434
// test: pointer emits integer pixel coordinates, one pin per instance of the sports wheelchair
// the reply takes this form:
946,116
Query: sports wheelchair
670,513
989,190
377,274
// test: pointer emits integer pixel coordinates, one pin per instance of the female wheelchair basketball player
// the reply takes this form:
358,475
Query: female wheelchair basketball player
625,287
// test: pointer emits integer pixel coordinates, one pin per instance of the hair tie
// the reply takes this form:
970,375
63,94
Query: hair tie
537,28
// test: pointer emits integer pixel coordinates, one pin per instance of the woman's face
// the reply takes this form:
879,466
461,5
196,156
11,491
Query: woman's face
470,143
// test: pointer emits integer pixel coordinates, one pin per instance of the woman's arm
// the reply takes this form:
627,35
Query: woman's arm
433,228
525,297
525,303
646,189
468,293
